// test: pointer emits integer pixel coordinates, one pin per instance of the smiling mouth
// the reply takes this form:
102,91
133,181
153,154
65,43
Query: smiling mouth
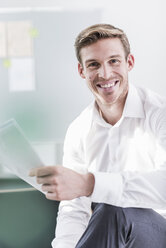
107,85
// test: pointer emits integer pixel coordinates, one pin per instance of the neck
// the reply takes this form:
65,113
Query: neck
111,113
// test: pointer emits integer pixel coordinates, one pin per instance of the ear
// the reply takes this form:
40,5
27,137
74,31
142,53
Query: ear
81,70
130,62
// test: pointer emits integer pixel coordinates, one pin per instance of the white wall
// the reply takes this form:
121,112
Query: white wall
60,95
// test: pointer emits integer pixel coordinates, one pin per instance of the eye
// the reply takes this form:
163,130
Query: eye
114,61
93,64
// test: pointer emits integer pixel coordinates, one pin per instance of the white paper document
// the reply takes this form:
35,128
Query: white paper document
3,47
17,154
19,40
22,74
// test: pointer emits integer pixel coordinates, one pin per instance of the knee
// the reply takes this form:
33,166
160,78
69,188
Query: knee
108,211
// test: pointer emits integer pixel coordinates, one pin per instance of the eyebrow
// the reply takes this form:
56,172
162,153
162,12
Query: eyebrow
111,57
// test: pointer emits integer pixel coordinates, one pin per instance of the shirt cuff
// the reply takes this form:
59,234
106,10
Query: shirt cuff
108,188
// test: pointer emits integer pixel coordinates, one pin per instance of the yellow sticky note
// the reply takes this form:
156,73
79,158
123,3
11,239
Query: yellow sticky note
34,32
7,63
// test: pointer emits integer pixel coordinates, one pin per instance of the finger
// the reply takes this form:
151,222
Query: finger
52,196
33,172
45,180
48,188
42,171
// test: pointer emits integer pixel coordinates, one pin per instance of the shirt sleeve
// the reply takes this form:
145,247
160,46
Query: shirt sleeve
73,215
72,220
136,189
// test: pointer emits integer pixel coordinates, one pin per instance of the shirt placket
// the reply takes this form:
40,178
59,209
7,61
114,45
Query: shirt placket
113,145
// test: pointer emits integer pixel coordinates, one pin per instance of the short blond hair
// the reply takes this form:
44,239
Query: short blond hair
97,32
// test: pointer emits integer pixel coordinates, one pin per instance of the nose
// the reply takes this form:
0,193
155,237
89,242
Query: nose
105,72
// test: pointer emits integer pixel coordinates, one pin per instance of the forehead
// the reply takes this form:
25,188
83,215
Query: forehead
102,49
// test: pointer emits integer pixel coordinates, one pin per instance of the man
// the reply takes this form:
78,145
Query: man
112,180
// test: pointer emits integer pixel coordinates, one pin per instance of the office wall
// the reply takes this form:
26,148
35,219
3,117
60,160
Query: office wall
60,95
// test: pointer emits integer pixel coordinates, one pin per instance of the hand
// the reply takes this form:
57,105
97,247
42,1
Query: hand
62,183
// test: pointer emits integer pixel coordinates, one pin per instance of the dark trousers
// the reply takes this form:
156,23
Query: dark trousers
116,227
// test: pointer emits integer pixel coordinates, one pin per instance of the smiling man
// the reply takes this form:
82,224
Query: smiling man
111,182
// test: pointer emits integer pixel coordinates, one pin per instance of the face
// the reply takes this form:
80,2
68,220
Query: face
105,69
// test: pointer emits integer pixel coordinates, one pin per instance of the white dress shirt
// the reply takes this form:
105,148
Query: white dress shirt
128,161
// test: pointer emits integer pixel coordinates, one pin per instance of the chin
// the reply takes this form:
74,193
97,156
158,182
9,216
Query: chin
106,101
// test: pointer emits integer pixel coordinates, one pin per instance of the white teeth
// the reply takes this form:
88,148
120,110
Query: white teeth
107,85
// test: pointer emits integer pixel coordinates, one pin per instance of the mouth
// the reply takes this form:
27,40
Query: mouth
108,84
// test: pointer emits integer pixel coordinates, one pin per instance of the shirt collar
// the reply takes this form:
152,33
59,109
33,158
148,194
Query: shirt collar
133,107
97,118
